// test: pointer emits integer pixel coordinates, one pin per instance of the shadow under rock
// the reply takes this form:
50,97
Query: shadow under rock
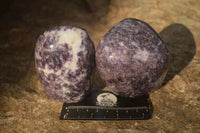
181,46
97,82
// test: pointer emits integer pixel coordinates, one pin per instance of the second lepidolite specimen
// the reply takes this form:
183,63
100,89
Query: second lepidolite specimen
64,58
131,58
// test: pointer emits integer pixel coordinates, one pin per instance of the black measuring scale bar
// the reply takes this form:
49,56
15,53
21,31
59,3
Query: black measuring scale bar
108,106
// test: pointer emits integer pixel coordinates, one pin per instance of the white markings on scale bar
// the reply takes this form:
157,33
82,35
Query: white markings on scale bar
92,111
91,115
104,118
65,116
110,108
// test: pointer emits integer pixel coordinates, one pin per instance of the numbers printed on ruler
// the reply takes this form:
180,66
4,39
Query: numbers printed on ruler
93,112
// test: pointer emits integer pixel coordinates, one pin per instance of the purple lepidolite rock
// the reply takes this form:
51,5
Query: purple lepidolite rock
132,59
64,58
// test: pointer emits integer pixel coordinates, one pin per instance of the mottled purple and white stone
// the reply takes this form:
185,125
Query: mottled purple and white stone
132,59
64,58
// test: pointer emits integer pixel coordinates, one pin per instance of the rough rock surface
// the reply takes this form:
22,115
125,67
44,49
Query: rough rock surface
132,59
64,58
24,105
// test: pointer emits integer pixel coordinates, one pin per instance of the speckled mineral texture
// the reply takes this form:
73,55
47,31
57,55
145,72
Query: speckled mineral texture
132,59
24,104
64,58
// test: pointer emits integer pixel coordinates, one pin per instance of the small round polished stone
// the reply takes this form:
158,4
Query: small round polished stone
64,58
132,59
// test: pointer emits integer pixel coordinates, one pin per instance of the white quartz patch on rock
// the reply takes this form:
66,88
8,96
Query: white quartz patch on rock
141,55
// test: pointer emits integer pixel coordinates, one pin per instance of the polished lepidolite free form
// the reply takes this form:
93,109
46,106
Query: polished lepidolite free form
64,58
132,59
